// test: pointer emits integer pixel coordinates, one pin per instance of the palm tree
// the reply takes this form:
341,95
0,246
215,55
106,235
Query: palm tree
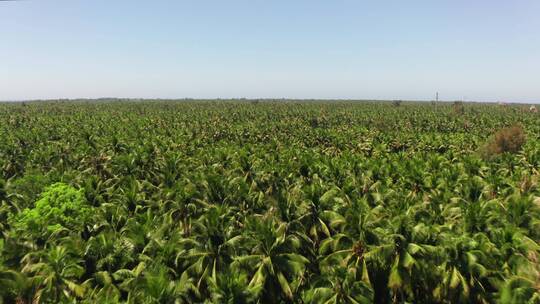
212,245
103,289
339,286
108,251
463,275
358,246
8,281
520,290
318,217
17,287
130,279
159,288
273,259
155,285
8,203
56,272
232,288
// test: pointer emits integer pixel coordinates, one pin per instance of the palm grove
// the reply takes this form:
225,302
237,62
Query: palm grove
268,202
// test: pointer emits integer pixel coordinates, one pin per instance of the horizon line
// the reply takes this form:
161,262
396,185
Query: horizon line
253,99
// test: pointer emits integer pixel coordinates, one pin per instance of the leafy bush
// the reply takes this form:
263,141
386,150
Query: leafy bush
60,206
509,139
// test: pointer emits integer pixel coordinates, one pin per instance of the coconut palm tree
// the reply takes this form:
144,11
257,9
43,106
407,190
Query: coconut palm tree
464,276
211,247
56,271
339,286
272,259
232,288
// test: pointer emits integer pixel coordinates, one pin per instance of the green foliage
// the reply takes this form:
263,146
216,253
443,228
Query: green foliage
30,186
267,202
60,207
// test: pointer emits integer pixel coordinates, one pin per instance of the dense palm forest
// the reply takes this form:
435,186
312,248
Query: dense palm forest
269,202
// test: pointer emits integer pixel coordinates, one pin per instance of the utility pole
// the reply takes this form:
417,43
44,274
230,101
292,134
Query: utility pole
437,97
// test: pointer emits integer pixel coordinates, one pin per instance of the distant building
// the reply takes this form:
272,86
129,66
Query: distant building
533,109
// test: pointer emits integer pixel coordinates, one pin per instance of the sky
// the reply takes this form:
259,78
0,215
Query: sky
482,50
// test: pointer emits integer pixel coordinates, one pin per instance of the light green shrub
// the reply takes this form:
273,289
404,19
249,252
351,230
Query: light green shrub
59,206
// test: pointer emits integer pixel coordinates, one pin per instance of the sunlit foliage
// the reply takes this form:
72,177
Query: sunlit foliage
268,202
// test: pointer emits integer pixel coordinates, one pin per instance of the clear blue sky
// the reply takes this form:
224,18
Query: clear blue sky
478,50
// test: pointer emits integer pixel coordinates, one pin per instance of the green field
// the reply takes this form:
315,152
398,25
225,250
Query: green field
268,202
